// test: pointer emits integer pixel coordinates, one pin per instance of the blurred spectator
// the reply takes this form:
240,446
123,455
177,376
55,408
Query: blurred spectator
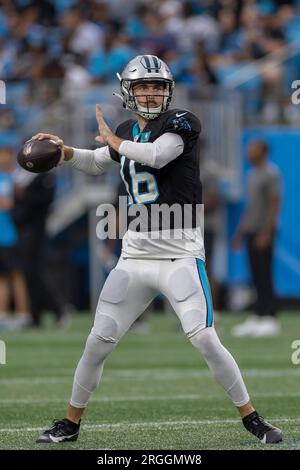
100,13
231,40
202,72
35,194
10,263
150,35
8,124
258,228
197,28
116,52
83,36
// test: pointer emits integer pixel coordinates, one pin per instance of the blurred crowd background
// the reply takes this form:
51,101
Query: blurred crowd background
233,62
205,42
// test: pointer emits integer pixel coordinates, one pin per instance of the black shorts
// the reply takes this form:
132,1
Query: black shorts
9,259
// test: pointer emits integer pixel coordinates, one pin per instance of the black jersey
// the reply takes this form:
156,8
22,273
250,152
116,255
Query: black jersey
179,180
177,183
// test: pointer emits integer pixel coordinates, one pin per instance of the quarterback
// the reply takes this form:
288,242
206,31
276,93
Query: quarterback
157,152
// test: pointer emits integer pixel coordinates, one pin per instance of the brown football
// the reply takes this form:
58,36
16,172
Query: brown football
39,156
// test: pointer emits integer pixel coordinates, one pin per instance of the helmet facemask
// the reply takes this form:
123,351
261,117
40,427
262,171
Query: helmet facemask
147,112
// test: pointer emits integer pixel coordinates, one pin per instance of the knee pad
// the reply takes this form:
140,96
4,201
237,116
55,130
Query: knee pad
116,287
191,323
182,284
114,292
105,328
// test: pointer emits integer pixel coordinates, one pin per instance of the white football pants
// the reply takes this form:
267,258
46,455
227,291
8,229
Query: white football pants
128,290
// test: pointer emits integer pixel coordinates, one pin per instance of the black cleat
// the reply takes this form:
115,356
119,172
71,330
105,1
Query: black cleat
61,431
263,430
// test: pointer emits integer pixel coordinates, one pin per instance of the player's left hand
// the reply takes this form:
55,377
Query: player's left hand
104,130
262,241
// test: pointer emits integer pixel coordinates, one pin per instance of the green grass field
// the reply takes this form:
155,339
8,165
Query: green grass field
156,391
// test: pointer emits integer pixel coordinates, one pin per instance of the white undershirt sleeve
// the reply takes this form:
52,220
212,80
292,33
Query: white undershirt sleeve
155,154
93,162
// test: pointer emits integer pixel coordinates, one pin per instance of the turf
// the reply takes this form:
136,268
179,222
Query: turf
156,392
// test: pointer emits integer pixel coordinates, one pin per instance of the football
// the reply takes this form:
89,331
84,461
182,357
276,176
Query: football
38,156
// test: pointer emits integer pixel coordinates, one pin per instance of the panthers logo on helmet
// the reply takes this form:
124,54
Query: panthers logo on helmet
151,63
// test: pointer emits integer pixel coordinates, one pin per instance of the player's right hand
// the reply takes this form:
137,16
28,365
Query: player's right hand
56,139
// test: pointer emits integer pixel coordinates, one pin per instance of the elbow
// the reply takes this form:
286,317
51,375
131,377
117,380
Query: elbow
94,172
88,171
159,161
157,164
163,156
95,168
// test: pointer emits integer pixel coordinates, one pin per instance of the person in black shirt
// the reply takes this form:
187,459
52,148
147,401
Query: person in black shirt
34,197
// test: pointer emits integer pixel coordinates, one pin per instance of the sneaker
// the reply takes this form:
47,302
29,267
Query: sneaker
247,328
22,321
263,430
61,431
65,317
267,327
7,324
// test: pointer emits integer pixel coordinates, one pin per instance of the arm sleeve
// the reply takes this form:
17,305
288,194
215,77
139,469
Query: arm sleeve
154,154
93,162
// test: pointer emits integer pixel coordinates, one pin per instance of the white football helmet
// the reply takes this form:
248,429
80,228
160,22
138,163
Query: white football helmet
145,68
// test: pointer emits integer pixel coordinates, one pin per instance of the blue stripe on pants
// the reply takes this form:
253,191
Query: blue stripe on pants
206,290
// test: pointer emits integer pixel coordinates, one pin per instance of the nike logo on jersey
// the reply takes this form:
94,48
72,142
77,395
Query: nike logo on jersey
181,114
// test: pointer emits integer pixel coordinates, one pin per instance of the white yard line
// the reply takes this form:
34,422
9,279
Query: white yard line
145,425
106,399
153,374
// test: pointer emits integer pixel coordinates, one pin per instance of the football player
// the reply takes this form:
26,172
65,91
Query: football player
157,152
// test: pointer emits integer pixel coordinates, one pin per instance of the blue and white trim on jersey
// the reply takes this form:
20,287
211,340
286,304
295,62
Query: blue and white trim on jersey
206,291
